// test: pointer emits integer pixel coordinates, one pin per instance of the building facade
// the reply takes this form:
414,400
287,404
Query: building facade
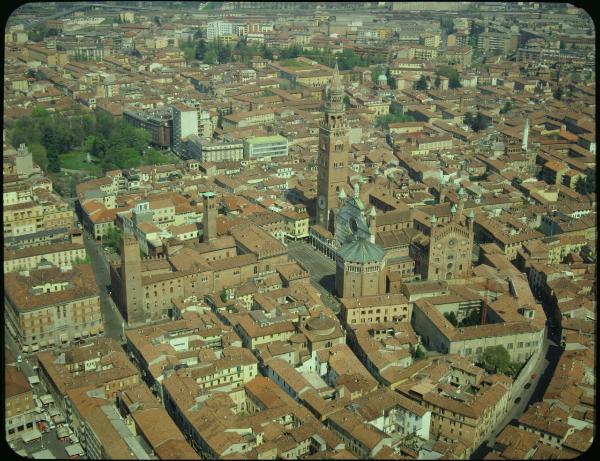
260,147
52,306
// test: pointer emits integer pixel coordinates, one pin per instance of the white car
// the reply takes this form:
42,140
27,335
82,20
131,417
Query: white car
19,359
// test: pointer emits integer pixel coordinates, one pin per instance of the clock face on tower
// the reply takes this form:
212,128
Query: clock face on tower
321,202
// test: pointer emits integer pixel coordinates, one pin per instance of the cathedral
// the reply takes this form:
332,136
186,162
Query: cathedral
443,250
342,229
374,259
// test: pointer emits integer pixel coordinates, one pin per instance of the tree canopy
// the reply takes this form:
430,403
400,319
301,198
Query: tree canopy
383,121
474,318
496,358
476,123
451,74
586,185
421,84
48,136
451,317
114,238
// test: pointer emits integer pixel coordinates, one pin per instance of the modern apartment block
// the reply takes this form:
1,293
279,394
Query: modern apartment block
265,147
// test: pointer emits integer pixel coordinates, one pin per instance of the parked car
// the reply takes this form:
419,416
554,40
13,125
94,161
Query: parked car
19,359
518,399
527,386
533,376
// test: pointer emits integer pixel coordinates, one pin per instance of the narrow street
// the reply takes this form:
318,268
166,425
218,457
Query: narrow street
544,369
110,314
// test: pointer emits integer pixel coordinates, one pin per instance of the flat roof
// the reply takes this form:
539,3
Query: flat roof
266,139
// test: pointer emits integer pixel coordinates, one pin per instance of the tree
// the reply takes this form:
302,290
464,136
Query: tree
507,107
346,101
451,74
474,318
40,156
497,359
421,85
266,52
480,123
377,71
38,33
586,185
189,51
419,354
468,119
451,317
114,238
210,57
476,123
558,93
223,296
454,82
200,49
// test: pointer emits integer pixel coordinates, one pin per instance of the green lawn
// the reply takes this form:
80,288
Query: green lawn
156,157
76,161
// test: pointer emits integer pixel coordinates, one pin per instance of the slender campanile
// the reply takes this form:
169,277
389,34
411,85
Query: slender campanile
131,278
333,153
209,217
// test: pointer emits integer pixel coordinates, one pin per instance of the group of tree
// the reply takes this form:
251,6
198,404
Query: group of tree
586,185
451,317
421,84
477,122
558,93
451,74
383,121
113,239
418,352
506,108
474,318
218,52
496,359
115,145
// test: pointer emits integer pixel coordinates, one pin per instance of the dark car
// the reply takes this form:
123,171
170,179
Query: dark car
527,386
518,399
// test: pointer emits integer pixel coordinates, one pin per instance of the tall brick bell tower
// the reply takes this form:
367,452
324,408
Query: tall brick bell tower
209,217
333,153
131,279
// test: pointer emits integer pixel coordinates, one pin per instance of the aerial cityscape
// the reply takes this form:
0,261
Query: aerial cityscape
299,230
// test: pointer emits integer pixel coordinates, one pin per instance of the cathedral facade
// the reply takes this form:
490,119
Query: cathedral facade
445,250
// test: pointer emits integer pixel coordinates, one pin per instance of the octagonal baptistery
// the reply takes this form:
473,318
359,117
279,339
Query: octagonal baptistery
360,269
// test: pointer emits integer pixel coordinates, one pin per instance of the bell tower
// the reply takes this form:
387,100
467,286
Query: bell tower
209,217
333,153
131,279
